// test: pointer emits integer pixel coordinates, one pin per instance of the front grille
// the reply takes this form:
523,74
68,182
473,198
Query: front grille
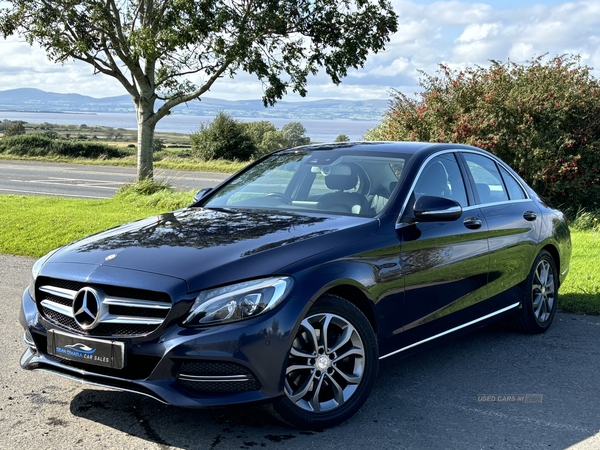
206,378
113,291
121,311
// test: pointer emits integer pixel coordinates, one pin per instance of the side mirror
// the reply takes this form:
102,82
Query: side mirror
436,209
201,194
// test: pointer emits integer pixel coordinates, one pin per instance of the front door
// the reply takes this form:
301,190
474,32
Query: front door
445,264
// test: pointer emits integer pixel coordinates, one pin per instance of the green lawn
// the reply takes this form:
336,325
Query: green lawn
580,293
32,226
168,161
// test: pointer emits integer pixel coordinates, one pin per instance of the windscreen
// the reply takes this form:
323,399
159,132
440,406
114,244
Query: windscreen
333,182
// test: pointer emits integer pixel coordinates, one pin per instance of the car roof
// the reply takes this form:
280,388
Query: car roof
380,146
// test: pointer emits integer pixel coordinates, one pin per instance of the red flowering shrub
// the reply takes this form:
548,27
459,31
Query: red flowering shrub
542,118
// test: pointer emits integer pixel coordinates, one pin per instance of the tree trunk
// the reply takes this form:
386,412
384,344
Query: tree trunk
146,124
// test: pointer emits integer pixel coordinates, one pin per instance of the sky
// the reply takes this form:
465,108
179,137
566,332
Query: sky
456,33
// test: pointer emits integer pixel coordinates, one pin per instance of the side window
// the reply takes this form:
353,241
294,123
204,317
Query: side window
488,181
515,191
442,178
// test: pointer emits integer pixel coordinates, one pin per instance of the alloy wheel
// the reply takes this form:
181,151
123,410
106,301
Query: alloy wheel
543,291
326,363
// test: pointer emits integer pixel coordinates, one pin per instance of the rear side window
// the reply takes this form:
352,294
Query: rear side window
488,182
515,191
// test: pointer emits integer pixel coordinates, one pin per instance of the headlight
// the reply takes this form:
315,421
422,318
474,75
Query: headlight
238,301
35,271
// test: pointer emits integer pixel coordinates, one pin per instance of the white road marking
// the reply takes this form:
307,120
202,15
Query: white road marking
54,181
53,194
85,180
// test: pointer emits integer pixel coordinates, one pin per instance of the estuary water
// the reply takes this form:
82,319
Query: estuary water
317,130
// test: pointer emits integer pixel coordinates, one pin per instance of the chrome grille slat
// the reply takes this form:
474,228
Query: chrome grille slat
58,307
215,378
134,303
109,318
59,292
116,315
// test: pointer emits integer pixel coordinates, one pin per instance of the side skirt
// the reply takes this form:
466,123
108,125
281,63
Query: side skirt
500,311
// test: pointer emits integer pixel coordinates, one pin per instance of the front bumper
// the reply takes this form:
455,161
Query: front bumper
214,366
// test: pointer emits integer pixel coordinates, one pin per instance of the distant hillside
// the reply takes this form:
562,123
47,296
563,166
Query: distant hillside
37,100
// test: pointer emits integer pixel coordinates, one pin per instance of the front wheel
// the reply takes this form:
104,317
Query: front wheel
540,296
331,368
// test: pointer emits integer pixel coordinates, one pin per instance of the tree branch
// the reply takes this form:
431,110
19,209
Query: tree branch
170,104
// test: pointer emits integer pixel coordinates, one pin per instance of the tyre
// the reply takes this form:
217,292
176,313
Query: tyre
540,296
331,367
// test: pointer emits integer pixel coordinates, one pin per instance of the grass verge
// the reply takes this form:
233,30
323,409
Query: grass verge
32,226
174,163
580,292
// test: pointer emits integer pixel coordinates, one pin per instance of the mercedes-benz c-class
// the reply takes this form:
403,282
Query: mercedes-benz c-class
287,283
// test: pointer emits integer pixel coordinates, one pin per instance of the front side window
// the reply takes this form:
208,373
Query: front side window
441,177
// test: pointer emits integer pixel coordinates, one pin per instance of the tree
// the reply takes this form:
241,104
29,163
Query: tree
294,134
223,138
157,49
541,117
265,136
272,141
342,138
51,134
15,129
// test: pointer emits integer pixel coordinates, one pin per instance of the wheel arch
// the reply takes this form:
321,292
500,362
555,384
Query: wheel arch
555,256
358,298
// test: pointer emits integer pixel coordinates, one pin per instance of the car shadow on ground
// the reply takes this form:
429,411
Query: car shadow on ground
243,426
420,401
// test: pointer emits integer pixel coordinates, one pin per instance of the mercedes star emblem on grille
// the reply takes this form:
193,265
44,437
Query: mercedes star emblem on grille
86,308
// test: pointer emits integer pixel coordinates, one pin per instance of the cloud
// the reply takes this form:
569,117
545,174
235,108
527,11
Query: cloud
28,66
473,33
520,51
458,33
461,34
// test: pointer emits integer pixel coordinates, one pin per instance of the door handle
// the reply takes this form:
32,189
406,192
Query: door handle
529,215
472,223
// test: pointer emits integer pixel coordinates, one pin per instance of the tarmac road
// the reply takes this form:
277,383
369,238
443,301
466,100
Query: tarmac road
76,180
425,401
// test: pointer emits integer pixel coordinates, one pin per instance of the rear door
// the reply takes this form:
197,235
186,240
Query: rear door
512,218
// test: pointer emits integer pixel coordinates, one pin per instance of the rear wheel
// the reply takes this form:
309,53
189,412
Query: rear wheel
331,368
540,297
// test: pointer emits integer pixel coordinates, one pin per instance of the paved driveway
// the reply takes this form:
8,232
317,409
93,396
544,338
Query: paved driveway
425,401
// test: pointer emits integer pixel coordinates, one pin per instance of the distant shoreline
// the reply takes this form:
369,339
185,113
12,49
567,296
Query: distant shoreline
29,111
176,113
36,101
318,130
